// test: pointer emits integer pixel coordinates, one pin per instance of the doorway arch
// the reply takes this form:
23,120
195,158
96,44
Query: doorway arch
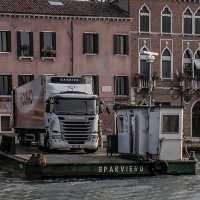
196,120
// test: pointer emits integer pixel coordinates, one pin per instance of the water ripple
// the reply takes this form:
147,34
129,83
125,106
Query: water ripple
136,188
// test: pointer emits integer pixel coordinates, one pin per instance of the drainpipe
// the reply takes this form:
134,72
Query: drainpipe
71,34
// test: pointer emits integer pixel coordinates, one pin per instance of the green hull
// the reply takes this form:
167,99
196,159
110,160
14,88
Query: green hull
118,167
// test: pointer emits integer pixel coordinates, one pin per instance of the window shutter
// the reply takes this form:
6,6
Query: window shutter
126,44
115,44
96,43
8,37
127,86
54,40
31,43
9,84
41,43
84,43
96,84
18,43
115,85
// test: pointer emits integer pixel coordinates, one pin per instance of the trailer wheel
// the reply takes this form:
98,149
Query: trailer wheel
90,150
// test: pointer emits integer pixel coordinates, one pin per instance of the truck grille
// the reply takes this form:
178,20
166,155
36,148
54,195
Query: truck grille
75,132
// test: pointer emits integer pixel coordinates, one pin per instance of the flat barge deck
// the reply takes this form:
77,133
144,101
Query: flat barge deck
80,164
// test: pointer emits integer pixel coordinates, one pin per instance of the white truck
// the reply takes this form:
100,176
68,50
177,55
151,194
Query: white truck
57,112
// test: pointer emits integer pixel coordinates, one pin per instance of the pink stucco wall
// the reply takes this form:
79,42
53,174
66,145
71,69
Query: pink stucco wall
104,64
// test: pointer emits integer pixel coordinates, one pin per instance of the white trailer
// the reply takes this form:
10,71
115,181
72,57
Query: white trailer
156,131
57,112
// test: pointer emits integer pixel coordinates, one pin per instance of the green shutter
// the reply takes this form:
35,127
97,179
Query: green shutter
127,86
84,43
41,43
8,37
126,45
96,43
18,43
115,85
96,84
31,43
54,41
114,44
9,84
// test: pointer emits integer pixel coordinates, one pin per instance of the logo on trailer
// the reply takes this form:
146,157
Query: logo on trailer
26,98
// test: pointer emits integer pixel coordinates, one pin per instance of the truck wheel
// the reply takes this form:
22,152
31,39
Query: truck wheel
90,150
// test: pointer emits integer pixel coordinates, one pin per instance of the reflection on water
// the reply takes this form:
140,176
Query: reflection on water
136,188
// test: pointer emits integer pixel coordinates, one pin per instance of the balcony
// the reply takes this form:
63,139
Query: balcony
143,81
187,81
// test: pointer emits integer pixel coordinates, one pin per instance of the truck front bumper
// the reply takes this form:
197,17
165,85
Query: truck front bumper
61,144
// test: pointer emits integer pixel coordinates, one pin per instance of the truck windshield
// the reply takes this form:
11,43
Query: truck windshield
75,106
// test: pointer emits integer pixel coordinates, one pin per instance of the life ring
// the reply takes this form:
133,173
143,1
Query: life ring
160,167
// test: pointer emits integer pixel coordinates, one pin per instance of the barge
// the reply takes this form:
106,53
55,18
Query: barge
29,163
148,141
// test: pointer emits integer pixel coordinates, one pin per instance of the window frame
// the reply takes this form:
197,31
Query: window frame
20,82
184,18
187,60
121,44
163,17
4,115
6,39
143,57
170,132
90,43
48,51
6,90
95,82
146,15
167,58
196,20
121,89
25,48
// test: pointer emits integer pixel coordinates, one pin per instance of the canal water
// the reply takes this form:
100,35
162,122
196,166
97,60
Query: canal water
166,187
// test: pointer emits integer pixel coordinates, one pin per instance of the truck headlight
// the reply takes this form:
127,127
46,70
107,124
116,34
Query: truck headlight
93,137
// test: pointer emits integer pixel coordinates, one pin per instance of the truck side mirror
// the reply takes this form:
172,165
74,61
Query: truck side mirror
101,108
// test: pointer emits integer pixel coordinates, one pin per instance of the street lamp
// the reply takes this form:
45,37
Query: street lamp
150,59
185,95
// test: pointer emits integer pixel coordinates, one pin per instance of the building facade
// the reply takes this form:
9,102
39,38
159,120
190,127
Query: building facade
64,38
171,29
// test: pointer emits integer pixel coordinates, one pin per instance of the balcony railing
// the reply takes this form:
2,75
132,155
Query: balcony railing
143,83
191,84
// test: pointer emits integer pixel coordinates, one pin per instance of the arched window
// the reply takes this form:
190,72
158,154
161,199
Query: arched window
144,19
187,22
166,64
187,62
166,21
144,65
197,22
